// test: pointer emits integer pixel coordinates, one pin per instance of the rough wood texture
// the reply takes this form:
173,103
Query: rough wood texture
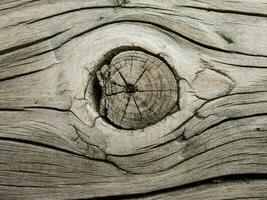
55,145
137,90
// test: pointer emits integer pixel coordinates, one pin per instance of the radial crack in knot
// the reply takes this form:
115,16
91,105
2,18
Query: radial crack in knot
138,90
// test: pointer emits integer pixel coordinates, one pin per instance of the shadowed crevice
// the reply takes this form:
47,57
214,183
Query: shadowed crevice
231,178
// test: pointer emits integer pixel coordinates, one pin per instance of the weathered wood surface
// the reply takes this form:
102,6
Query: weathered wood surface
139,90
55,145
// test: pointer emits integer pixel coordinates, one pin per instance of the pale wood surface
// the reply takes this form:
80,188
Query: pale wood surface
55,145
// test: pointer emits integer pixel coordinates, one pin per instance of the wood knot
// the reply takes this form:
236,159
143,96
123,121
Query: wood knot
138,90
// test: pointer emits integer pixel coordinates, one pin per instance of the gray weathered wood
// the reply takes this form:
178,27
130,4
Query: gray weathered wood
55,144
138,90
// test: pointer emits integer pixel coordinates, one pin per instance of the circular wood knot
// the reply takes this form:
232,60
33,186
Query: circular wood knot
138,90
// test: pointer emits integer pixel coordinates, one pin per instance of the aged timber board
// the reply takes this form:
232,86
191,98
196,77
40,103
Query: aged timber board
133,99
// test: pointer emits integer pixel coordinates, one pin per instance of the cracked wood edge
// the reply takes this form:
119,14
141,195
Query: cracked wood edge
57,147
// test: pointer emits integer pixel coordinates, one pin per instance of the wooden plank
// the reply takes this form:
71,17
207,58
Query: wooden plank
55,144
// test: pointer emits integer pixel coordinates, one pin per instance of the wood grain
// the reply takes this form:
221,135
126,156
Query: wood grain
56,145
137,90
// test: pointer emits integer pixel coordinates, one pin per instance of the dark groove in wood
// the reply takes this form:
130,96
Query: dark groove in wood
122,6
125,21
243,66
24,74
227,11
28,108
17,6
210,181
229,119
214,48
30,43
54,148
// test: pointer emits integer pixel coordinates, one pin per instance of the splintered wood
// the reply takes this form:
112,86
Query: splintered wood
137,90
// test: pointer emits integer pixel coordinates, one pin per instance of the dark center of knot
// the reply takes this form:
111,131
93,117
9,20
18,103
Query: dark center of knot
130,88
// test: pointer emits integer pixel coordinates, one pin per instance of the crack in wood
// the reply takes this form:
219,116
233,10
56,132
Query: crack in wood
196,134
150,90
216,182
228,11
5,51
